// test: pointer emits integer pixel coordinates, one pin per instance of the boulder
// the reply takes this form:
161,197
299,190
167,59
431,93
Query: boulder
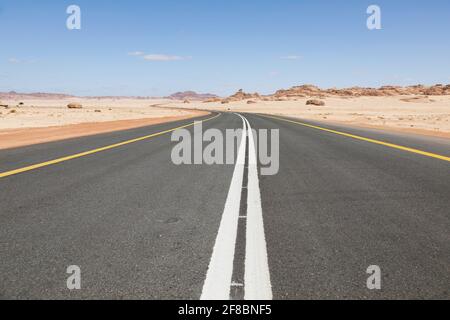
315,102
74,106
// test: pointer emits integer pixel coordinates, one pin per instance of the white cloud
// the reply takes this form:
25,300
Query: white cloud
157,57
136,53
164,57
21,61
292,57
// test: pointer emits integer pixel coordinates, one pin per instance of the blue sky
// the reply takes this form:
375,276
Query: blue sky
220,46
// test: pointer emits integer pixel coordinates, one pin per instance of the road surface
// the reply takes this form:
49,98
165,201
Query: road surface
141,227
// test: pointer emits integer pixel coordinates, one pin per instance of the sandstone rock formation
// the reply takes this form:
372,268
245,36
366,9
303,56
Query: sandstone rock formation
241,95
314,91
74,106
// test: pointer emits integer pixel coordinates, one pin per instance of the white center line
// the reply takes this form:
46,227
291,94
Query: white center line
257,285
257,275
220,271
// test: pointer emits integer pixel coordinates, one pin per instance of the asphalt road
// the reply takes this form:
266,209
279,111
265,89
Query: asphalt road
141,227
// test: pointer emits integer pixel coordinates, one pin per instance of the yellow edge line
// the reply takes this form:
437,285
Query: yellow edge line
387,144
83,154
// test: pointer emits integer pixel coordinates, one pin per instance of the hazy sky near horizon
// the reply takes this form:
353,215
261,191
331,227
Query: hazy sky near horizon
157,47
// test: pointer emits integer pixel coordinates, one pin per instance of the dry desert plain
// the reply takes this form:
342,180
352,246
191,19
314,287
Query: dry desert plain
30,121
45,120
415,114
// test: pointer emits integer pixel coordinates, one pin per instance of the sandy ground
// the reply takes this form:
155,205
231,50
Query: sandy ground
39,121
420,115
45,113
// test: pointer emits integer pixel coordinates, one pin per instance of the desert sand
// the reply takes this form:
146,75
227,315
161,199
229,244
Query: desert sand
32,121
37,113
428,115
36,120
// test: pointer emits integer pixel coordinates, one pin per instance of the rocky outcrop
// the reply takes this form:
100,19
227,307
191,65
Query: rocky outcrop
241,95
313,91
299,91
74,105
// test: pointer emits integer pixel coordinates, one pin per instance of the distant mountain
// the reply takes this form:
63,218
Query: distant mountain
12,95
192,96
186,95
284,94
